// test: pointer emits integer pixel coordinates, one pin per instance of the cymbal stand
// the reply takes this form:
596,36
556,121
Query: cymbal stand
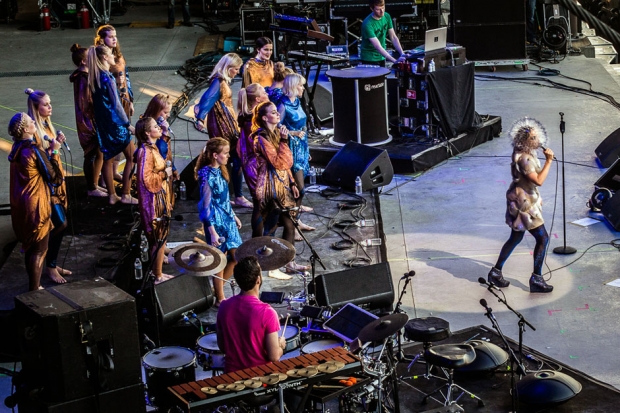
314,256
383,368
232,282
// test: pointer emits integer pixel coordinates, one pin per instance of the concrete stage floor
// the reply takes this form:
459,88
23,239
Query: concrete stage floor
447,224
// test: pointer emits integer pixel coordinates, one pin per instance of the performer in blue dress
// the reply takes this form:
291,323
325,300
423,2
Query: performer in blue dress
274,92
216,214
113,127
294,118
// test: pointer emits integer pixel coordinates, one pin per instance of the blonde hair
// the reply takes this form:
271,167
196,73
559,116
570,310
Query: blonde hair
280,71
95,67
212,147
42,124
291,81
226,62
247,98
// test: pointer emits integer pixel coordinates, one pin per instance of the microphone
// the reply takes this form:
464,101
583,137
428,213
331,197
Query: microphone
543,148
63,142
407,275
160,120
488,284
483,303
289,209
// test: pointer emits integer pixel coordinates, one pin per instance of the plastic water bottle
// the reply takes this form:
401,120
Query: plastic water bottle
138,269
312,175
358,186
431,65
182,191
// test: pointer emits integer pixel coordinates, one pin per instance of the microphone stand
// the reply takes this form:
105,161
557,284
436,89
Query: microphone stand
513,358
314,257
563,250
407,278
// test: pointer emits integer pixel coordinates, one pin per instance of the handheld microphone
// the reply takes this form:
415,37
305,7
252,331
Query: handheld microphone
63,142
160,120
544,149
407,275
488,284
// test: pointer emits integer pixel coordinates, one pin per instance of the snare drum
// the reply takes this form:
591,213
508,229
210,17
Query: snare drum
318,345
165,367
210,356
292,337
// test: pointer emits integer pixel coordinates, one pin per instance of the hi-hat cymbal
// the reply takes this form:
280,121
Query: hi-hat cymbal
272,253
383,327
200,260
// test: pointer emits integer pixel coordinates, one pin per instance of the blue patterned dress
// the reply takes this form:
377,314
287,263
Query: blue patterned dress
214,208
294,118
110,117
274,94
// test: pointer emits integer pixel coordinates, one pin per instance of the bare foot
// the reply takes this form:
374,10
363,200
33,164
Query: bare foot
113,199
305,227
162,278
128,199
242,202
63,271
54,275
102,189
298,236
97,193
304,208
40,288
118,177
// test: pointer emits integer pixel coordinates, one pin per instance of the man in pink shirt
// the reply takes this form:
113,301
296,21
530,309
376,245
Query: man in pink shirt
247,328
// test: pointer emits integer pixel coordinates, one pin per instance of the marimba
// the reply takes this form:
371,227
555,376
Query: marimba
191,399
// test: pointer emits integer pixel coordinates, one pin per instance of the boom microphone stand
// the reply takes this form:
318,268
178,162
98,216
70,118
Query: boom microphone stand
564,250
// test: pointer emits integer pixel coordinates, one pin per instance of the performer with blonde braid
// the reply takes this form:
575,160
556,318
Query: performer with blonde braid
40,110
524,204
32,172
152,185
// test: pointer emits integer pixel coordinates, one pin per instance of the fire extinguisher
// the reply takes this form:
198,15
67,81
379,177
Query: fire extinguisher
85,14
46,23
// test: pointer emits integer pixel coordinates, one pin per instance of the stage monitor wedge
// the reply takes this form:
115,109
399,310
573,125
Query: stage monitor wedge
372,165
608,151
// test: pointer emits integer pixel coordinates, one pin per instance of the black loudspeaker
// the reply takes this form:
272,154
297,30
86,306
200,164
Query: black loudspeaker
493,41
126,400
611,178
191,184
59,325
547,387
369,287
323,103
611,211
372,165
179,295
487,12
609,150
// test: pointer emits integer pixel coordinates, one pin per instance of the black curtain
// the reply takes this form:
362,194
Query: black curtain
452,97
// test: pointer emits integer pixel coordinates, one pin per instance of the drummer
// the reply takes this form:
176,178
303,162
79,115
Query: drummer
247,328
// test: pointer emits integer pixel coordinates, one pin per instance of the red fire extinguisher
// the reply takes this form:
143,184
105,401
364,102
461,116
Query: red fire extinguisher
85,15
46,23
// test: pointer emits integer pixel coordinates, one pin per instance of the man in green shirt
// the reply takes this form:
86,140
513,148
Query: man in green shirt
375,28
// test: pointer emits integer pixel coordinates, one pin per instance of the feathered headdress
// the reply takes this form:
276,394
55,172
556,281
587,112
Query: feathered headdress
521,130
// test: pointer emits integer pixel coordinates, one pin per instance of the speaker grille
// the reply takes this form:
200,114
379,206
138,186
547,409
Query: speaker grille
183,293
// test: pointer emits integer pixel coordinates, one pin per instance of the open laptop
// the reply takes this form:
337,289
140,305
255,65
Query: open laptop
435,39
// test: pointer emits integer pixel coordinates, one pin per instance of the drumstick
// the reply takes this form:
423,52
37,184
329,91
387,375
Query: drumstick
285,323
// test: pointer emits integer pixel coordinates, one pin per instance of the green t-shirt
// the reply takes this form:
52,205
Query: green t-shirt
372,27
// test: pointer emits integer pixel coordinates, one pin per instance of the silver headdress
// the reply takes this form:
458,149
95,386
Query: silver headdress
521,129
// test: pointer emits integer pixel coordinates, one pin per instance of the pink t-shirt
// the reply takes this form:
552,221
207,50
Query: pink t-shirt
243,323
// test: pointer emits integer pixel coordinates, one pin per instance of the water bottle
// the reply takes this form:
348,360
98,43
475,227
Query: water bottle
358,186
431,65
182,191
138,269
312,175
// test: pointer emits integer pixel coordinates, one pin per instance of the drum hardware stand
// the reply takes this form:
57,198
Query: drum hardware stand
513,357
382,371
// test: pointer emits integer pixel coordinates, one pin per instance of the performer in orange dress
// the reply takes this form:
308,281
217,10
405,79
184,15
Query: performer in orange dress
259,69
152,185
40,110
32,173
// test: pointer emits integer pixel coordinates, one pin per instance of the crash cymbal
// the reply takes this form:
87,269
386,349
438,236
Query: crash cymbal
199,260
327,368
293,373
235,387
253,383
272,253
271,379
208,390
308,372
222,387
338,364
383,327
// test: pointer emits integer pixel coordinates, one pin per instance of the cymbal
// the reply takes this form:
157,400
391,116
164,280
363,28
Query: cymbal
200,260
272,253
383,327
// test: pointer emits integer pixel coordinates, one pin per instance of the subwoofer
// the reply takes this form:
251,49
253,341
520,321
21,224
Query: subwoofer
547,387
191,184
369,287
179,295
372,165
608,151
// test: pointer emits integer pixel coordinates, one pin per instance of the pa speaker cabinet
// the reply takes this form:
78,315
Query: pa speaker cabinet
611,178
611,211
493,41
372,165
179,295
53,353
488,11
322,103
608,151
129,399
369,286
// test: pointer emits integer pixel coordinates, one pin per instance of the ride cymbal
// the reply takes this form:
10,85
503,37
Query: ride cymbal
382,328
200,260
272,253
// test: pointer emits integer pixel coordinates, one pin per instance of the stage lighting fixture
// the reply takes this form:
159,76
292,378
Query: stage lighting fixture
555,37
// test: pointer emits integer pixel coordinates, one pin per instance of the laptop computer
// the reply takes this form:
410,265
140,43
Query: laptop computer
435,39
